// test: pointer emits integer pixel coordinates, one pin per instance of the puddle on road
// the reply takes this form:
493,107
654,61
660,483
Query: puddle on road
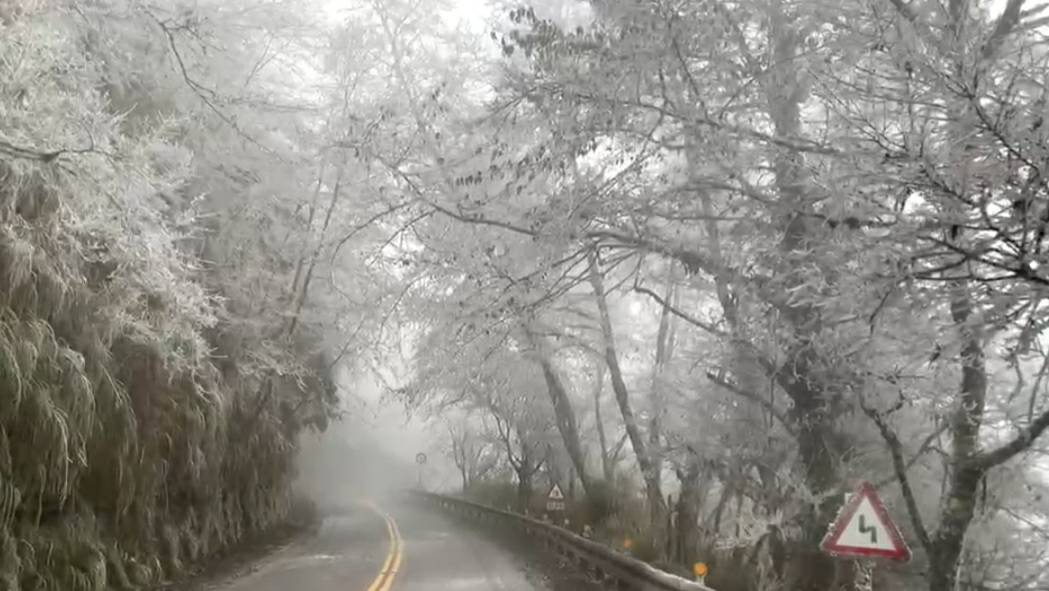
309,560
291,563
482,583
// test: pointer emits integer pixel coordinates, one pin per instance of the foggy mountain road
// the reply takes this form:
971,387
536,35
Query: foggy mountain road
349,551
345,553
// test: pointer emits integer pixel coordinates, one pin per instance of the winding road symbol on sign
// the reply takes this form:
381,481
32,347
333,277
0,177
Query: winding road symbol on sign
555,500
864,529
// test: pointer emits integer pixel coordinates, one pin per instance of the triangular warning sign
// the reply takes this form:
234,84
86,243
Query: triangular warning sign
864,529
555,494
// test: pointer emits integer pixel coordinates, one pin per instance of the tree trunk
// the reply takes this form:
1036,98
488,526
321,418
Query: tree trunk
571,483
687,533
813,408
719,510
564,413
664,350
607,466
305,290
945,547
653,489
808,569
524,489
739,513
853,575
463,473
959,509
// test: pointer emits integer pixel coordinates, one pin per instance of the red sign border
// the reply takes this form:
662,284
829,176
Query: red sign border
830,543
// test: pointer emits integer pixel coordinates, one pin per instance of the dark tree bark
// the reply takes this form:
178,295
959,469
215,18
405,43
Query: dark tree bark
812,411
664,351
719,510
957,512
653,490
564,414
524,488
687,530
522,460
607,467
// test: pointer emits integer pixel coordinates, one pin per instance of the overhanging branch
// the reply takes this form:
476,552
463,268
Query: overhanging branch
706,326
1020,443
751,396
900,468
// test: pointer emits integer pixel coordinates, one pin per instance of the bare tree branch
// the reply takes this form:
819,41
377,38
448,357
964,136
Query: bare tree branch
1023,441
1007,23
706,326
720,380
925,446
896,450
905,9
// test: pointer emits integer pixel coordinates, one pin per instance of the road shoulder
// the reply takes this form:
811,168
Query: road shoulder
239,560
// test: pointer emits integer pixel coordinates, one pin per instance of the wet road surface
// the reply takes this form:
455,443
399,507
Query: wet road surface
414,550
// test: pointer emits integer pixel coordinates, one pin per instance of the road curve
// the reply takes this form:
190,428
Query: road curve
390,546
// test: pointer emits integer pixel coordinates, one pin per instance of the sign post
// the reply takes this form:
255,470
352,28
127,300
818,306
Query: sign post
864,530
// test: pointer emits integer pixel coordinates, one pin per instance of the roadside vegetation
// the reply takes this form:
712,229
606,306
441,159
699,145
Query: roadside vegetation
153,383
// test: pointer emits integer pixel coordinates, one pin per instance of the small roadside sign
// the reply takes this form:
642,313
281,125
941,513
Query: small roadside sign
864,529
420,459
700,570
555,499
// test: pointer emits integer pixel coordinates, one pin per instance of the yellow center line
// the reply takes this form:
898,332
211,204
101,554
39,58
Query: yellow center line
381,577
384,580
391,573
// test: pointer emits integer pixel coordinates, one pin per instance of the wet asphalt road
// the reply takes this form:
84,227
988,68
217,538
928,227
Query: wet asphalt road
352,548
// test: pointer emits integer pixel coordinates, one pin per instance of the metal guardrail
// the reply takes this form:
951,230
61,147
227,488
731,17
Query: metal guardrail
613,569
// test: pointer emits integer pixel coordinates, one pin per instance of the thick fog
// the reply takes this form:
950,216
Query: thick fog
372,451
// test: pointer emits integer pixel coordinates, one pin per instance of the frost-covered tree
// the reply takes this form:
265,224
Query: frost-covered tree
850,190
152,404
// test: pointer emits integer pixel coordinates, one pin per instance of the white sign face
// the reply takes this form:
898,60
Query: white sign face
865,529
556,494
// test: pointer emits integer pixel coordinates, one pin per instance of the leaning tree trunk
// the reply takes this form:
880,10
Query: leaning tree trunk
564,413
608,469
653,490
664,351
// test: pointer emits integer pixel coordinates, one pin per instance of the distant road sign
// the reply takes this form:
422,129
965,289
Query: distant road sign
555,499
864,529
420,458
